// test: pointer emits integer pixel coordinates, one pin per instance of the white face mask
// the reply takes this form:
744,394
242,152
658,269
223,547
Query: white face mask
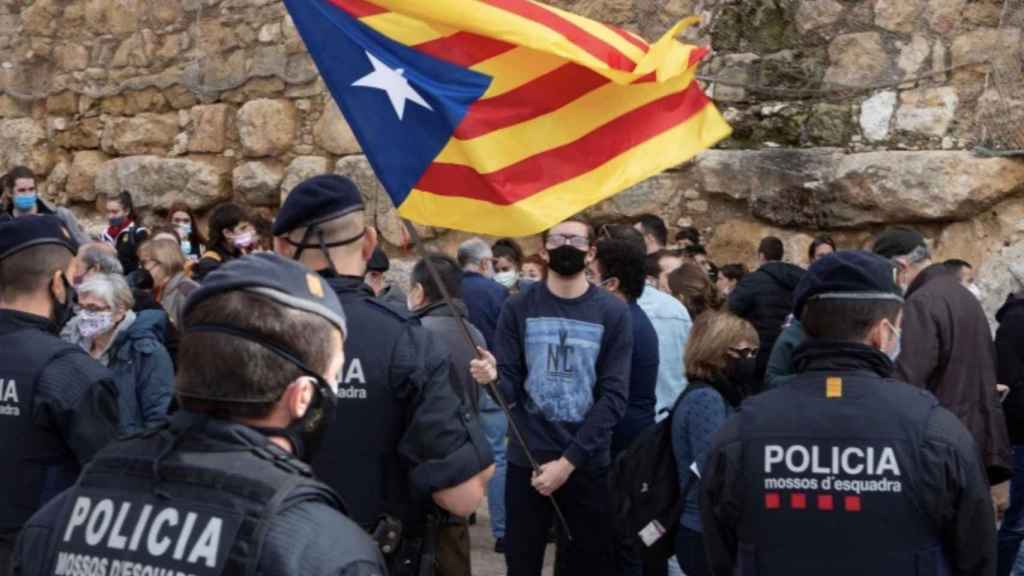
973,288
92,324
244,240
507,279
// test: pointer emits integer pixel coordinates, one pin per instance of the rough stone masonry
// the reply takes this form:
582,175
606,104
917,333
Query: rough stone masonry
203,101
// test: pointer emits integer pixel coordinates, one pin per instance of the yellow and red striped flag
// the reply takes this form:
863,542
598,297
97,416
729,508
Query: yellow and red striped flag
504,117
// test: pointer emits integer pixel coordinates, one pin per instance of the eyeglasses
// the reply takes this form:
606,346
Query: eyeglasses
559,240
746,352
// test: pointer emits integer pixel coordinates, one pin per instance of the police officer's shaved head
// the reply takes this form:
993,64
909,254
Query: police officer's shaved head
31,270
232,325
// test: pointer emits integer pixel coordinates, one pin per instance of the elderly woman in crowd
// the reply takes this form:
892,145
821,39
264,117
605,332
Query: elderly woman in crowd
720,364
129,344
164,261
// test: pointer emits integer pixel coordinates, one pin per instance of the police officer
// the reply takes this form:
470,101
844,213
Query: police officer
401,438
58,406
846,470
222,488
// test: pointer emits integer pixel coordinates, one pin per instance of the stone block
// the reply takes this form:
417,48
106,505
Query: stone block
857,59
70,57
332,132
302,168
143,134
913,55
83,134
944,15
815,14
25,142
259,182
876,115
197,183
267,127
898,15
211,128
81,182
62,104
927,111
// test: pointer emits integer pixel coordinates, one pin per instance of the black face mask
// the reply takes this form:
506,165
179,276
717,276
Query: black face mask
62,312
305,434
742,374
566,260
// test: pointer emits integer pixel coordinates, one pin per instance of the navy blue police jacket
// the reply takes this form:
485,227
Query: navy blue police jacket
846,471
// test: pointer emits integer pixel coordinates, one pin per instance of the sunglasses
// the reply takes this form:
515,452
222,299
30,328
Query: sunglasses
746,352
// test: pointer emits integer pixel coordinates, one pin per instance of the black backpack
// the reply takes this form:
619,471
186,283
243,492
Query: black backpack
644,482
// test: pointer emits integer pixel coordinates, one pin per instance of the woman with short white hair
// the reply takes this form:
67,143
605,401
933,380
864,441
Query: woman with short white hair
129,344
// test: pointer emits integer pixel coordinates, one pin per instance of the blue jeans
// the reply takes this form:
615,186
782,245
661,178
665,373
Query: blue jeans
495,428
1011,532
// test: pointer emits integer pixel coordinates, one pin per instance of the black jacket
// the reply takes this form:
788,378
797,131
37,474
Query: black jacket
947,349
1010,358
439,320
765,299
306,533
849,469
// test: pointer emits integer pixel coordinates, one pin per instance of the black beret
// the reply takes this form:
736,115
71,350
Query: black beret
378,262
282,280
317,200
848,276
21,233
898,241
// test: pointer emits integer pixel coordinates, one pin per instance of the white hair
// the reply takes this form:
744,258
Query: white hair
111,288
473,251
100,257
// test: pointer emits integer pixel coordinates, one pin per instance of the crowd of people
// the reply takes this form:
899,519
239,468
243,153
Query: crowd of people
273,368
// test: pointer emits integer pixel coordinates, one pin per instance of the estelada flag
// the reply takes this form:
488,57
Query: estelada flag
504,117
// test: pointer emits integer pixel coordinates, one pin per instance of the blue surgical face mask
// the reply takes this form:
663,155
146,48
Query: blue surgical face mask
24,202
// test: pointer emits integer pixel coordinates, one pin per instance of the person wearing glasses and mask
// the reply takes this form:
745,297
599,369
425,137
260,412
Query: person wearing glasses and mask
720,359
565,347
846,466
225,486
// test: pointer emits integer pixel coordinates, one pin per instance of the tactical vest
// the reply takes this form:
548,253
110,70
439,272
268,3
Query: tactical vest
835,486
359,458
36,462
172,501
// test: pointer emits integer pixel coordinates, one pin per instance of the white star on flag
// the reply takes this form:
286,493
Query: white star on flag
394,83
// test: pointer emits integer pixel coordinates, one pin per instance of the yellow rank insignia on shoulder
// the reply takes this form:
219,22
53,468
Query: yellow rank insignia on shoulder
833,387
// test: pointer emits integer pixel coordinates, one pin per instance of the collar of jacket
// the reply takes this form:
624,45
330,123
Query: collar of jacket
831,356
14,320
346,284
441,309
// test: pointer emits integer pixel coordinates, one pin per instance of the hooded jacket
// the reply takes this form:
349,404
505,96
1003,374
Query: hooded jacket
1010,359
765,299
143,372
947,349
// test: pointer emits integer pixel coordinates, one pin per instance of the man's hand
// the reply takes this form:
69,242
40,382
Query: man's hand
485,368
552,476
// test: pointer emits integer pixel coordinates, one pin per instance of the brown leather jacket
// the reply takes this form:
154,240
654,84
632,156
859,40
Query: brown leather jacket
947,348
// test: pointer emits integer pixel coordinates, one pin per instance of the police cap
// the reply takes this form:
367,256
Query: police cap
378,262
848,276
284,281
29,231
317,200
898,241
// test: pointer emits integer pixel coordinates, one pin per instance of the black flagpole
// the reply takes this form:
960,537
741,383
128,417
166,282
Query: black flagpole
491,387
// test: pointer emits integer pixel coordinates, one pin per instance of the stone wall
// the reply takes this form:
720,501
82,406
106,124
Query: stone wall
210,100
